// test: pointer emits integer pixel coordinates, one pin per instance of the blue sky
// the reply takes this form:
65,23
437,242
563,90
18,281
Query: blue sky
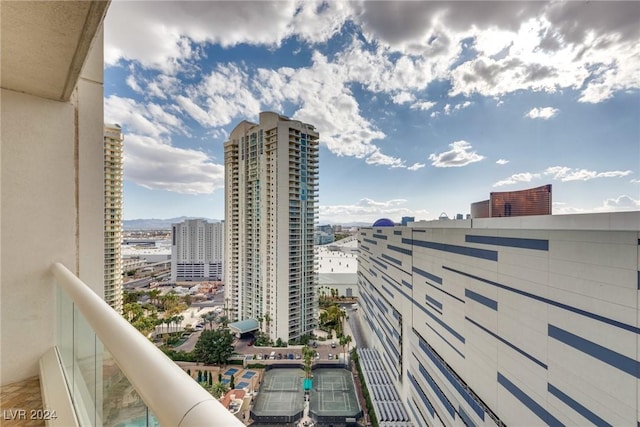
422,107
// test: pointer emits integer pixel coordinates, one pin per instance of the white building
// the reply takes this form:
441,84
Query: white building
516,321
337,266
197,251
271,171
113,170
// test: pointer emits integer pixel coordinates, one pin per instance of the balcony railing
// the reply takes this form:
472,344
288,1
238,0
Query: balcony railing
115,375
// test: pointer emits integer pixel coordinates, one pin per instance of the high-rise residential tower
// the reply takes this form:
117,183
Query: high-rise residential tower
197,251
271,171
113,169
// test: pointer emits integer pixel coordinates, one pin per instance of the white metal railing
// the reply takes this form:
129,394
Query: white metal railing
173,396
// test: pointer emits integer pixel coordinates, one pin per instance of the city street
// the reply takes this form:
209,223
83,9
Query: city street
359,338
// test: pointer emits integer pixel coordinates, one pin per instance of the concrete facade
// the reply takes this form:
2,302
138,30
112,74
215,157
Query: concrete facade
197,251
270,208
516,321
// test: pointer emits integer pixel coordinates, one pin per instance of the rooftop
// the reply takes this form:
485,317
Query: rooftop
612,221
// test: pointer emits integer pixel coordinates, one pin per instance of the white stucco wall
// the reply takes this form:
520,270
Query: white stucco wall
51,210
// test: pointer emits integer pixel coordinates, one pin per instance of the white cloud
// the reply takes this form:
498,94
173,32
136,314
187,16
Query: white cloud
150,159
155,164
138,118
517,46
621,203
559,45
560,208
635,181
316,21
462,106
563,173
542,113
459,155
133,84
539,46
326,102
449,108
166,35
502,161
518,177
416,166
377,158
403,97
368,211
423,105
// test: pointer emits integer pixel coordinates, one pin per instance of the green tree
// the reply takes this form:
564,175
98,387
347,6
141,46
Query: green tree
307,355
129,297
232,383
145,325
218,389
209,317
132,311
214,347
224,321
177,321
153,296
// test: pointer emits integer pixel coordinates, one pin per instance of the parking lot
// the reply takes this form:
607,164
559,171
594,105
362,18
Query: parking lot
325,350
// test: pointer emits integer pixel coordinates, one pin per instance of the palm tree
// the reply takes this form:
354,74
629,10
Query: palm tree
344,341
307,354
153,296
209,317
218,389
267,319
324,317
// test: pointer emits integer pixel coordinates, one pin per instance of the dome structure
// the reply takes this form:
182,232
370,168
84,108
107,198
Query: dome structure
383,222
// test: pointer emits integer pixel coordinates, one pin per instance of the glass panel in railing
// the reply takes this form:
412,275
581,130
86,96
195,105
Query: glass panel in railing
65,333
87,372
152,421
121,405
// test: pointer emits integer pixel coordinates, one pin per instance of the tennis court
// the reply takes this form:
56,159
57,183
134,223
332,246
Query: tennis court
281,398
333,395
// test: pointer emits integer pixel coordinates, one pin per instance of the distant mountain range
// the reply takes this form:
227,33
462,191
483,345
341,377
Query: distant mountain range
165,224
156,224
354,224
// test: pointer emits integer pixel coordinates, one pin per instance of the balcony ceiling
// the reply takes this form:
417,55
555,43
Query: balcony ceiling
44,44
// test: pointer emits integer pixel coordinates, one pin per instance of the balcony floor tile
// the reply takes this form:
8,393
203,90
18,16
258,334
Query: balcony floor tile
17,397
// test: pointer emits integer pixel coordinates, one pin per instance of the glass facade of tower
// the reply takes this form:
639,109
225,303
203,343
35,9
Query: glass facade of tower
532,201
